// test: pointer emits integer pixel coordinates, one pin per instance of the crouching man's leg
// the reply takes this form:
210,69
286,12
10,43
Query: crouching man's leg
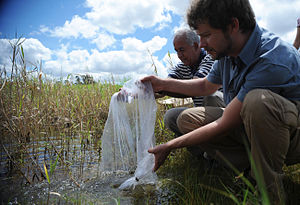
270,123
214,100
170,119
229,146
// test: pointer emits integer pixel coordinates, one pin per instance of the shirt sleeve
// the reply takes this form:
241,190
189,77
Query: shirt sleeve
205,66
214,76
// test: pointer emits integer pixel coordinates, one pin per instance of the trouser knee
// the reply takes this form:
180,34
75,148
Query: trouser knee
253,103
214,101
193,118
170,119
259,103
188,121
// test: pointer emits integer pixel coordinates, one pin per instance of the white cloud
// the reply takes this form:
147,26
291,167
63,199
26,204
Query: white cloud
66,63
75,28
155,44
34,52
44,29
122,17
133,58
117,16
116,62
182,25
133,44
278,16
104,40
6,52
177,6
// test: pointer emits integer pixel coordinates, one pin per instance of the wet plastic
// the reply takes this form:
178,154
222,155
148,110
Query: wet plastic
129,133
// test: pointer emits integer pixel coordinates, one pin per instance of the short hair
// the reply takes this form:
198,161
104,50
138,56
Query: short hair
219,14
190,36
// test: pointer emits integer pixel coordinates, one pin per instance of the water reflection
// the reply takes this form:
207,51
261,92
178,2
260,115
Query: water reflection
79,164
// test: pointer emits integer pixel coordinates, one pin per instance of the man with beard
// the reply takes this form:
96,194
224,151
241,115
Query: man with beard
260,76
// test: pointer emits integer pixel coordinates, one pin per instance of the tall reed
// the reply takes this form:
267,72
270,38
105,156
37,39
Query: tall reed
35,110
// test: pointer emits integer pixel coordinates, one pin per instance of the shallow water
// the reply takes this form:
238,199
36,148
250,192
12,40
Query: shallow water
82,159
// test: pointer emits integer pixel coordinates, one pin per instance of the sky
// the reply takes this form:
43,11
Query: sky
105,38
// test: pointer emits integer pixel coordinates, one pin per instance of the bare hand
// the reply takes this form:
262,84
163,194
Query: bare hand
122,95
161,153
156,82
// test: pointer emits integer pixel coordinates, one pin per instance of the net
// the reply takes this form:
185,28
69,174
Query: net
129,133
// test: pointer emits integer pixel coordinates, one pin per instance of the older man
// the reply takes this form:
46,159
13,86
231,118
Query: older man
260,75
195,63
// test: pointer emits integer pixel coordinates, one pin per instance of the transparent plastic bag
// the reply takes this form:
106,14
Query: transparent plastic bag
129,133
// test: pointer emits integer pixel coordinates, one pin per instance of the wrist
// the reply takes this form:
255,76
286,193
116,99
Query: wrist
164,84
170,145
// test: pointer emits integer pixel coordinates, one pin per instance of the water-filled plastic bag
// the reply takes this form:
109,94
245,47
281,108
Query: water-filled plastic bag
129,133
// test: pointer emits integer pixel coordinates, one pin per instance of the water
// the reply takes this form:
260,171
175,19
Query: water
81,167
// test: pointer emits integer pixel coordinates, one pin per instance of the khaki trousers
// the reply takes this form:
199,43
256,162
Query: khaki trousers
170,118
270,130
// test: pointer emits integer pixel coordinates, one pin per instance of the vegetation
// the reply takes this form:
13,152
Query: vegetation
41,119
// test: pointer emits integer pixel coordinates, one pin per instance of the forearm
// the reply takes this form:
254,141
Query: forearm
297,39
196,137
193,87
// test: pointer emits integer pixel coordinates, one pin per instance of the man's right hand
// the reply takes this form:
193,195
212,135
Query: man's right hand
155,81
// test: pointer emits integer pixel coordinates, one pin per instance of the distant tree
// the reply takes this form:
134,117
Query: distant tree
78,80
84,79
87,79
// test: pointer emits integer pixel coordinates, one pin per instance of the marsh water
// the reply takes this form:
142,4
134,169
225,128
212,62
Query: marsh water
75,178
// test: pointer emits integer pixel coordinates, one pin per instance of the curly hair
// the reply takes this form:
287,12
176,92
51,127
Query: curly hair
219,14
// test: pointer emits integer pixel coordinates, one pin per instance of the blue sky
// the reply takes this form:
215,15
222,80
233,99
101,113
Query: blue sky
111,37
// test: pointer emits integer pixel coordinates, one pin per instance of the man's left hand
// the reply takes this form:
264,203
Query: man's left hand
161,153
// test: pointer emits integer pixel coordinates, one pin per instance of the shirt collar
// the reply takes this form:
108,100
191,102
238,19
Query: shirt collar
251,48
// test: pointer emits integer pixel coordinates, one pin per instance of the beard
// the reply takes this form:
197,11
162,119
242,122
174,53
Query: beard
217,55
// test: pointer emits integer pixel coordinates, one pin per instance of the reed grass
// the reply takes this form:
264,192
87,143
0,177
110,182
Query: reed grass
34,109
